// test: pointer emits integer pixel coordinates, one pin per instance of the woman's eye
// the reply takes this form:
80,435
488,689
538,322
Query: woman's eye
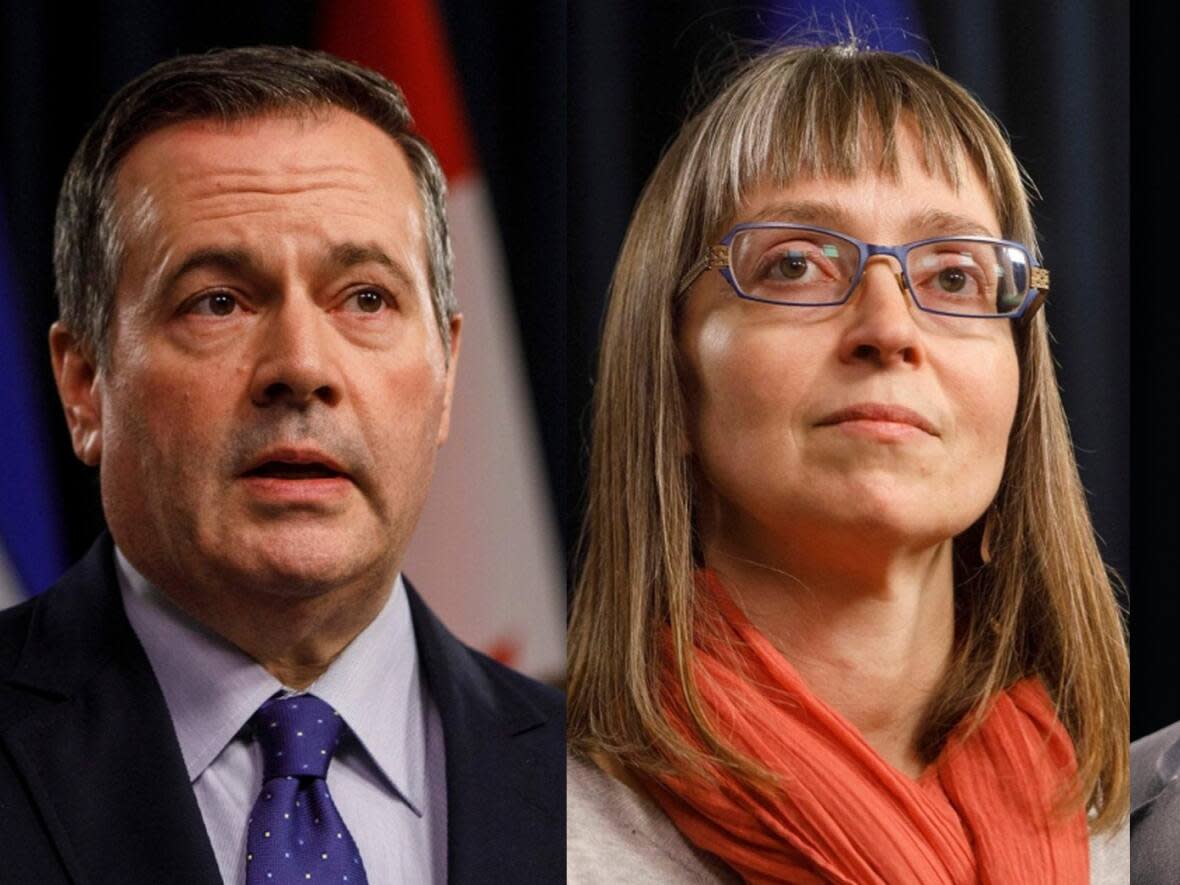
367,301
215,304
792,266
952,279
959,273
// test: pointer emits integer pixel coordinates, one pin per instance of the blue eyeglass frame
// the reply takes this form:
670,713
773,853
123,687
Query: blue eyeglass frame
717,258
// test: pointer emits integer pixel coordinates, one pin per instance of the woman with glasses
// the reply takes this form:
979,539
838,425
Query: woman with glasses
841,615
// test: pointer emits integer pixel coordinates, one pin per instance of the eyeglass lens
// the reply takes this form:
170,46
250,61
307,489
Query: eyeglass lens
961,277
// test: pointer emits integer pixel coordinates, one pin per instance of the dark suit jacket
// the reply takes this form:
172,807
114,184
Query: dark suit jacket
93,787
1155,808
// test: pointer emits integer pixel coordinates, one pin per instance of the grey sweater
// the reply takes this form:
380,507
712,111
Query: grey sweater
613,834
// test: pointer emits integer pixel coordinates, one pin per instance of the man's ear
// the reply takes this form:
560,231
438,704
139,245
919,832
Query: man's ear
80,387
444,426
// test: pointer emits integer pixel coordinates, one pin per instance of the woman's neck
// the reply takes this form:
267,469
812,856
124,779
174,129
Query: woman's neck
871,636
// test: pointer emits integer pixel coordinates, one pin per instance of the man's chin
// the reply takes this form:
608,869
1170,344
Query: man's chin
278,499
305,560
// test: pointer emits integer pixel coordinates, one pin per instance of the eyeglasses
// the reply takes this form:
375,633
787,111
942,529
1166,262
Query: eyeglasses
801,266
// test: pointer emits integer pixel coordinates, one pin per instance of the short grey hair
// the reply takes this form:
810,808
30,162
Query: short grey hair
226,85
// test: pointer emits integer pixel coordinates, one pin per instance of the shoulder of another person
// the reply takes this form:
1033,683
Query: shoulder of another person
1155,838
1155,762
1155,807
613,834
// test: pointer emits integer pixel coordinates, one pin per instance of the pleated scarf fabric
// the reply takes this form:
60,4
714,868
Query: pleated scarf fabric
986,811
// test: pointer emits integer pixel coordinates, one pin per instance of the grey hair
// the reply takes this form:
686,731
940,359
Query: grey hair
226,85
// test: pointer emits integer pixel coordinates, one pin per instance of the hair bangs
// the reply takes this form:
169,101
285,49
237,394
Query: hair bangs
835,115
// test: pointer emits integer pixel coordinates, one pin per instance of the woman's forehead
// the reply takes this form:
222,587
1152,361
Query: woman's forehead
910,193
865,208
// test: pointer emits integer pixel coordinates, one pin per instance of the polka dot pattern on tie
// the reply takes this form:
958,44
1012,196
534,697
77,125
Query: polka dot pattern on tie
295,832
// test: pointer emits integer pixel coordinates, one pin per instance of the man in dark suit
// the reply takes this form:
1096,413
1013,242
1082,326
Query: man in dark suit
257,348
1155,808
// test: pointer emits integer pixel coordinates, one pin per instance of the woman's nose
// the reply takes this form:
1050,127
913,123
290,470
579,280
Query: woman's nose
881,327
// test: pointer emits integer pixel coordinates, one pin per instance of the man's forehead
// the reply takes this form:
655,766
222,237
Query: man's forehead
269,143
208,183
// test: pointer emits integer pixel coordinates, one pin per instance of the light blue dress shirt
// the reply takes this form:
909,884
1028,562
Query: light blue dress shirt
388,780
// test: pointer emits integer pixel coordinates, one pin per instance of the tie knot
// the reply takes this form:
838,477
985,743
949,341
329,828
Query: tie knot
298,736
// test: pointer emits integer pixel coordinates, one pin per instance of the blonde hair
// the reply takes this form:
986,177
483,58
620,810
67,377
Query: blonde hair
1043,605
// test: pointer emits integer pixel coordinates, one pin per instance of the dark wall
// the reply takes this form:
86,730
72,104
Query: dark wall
1155,614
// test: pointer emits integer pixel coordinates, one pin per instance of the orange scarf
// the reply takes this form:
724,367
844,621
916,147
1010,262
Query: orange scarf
984,812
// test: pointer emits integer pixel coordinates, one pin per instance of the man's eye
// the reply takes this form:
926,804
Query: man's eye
215,304
367,301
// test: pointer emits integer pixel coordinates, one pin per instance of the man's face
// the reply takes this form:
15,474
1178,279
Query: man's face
277,387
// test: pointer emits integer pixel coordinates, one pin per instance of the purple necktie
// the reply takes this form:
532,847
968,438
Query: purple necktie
295,832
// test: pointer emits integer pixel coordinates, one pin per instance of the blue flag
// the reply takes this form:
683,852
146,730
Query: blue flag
32,548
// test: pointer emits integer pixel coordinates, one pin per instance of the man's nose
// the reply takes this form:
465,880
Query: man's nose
294,364
881,324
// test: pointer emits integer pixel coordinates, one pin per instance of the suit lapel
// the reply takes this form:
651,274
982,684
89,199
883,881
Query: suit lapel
99,754
494,793
101,761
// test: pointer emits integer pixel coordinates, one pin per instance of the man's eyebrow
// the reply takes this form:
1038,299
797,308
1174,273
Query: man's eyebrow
219,258
351,254
240,261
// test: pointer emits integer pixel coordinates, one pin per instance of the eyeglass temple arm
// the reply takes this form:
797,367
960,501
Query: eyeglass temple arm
1038,279
717,257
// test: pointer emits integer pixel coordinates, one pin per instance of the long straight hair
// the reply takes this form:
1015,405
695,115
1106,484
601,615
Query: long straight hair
1042,606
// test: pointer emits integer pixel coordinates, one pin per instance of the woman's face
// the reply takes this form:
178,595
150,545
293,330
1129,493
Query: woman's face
798,422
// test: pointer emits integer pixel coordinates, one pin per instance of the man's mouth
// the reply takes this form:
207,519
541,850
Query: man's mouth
295,462
297,478
289,470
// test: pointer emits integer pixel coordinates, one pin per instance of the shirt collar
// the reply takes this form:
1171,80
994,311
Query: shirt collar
212,688
376,685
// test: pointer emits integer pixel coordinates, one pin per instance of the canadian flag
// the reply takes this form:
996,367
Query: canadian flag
486,553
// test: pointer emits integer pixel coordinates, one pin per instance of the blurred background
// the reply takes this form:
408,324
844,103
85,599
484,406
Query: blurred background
566,108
